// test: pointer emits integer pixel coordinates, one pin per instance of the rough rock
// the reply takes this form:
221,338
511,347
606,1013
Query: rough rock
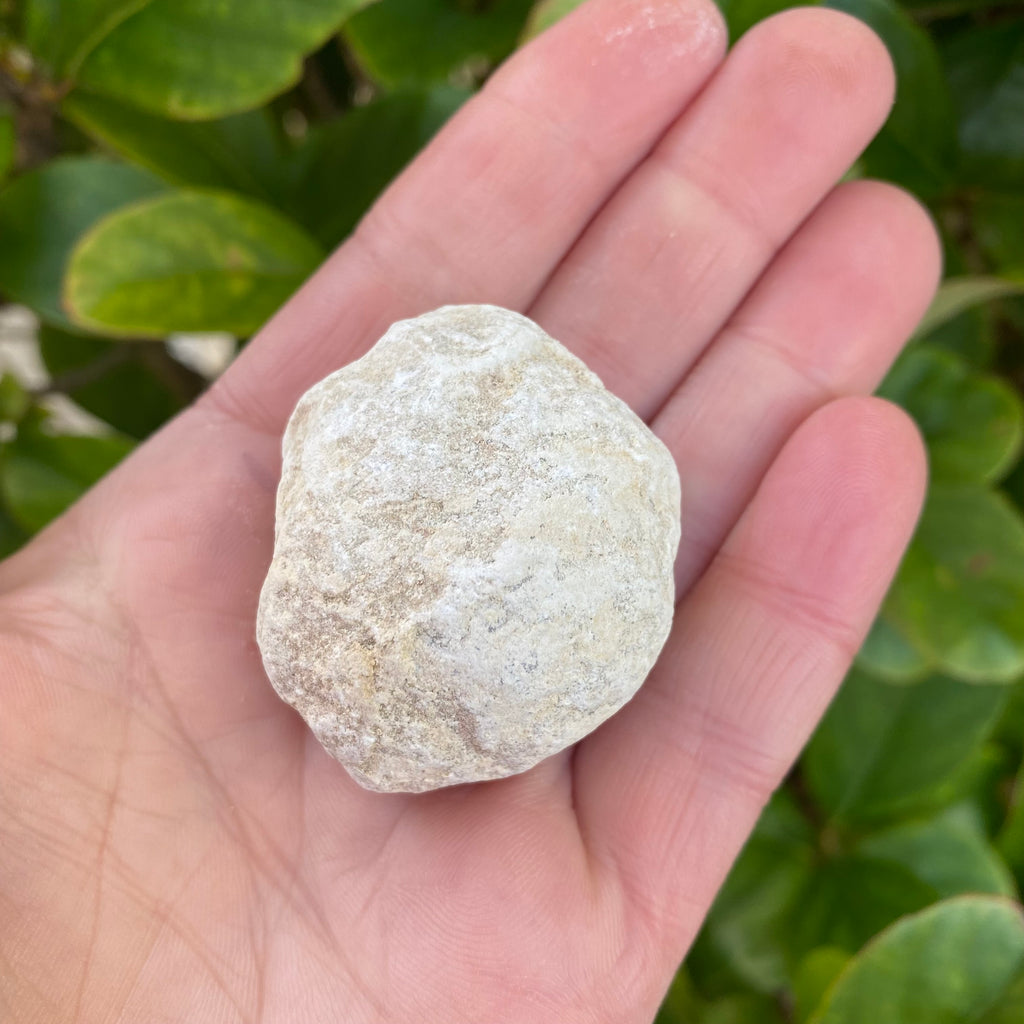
473,553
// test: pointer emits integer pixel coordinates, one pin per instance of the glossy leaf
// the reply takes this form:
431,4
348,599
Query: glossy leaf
742,15
748,929
783,899
35,492
42,216
972,335
1009,1008
888,654
547,13
1010,730
981,783
849,899
403,42
951,8
985,66
345,164
916,147
15,401
12,536
1010,841
973,423
115,382
8,144
949,852
738,1009
199,59
242,152
814,977
842,902
961,293
959,320
946,965
41,475
200,261
959,594
881,750
999,227
61,33
681,1004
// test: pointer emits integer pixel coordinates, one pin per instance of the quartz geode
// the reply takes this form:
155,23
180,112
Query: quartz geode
473,554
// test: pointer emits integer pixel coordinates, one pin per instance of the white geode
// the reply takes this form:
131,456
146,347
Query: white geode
473,557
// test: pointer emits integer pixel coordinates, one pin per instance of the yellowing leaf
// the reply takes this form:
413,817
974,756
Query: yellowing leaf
191,261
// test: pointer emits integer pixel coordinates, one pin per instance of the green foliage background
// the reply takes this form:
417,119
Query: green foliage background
166,171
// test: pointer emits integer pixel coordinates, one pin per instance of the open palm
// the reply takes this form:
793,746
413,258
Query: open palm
174,845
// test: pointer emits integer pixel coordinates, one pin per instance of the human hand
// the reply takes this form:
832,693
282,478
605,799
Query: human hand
176,846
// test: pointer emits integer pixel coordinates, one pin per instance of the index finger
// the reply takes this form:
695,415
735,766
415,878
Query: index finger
488,211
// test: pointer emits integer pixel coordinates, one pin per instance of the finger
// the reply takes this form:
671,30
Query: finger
668,790
485,214
664,265
491,207
827,319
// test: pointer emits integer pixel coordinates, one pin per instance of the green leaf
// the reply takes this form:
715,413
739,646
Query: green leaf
15,401
35,492
949,852
1010,731
8,144
12,536
888,654
814,977
243,152
116,381
985,66
1013,486
199,261
963,323
1009,1009
972,335
42,475
200,59
547,13
881,750
1010,841
402,42
850,899
345,164
747,932
783,898
961,293
42,216
738,1009
61,33
935,9
973,423
981,782
959,595
681,1004
742,15
999,228
948,964
917,145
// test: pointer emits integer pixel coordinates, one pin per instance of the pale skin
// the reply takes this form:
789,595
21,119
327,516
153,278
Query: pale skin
176,847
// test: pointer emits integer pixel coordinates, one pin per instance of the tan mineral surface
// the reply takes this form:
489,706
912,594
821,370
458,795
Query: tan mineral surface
473,555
